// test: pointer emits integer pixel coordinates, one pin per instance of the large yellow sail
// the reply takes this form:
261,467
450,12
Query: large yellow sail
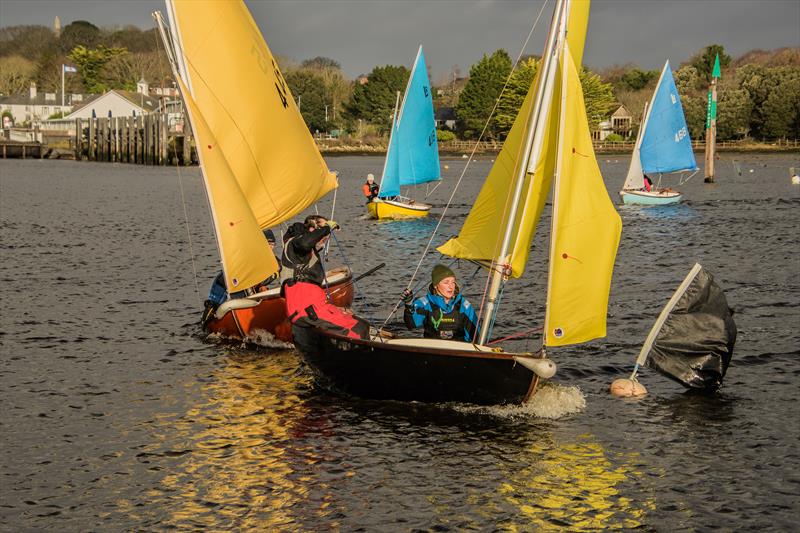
235,81
247,258
586,229
479,238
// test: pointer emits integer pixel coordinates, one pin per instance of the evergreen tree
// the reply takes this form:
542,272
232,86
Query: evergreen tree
308,88
91,62
703,60
598,96
486,80
782,110
733,113
374,101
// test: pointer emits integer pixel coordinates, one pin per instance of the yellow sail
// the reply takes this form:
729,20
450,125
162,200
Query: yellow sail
247,258
235,81
479,238
586,229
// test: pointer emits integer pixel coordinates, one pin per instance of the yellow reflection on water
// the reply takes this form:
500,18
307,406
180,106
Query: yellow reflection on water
574,486
237,472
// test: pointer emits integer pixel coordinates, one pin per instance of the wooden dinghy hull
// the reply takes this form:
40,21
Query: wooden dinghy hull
391,209
377,369
266,311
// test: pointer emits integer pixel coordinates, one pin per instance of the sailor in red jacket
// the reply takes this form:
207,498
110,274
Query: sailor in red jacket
307,303
370,188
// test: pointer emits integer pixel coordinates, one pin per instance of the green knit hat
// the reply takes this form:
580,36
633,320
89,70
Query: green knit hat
440,272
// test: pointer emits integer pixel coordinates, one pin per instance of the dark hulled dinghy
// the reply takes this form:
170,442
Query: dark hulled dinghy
426,370
549,147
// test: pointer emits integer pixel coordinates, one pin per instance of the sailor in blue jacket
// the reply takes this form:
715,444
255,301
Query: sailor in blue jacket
443,313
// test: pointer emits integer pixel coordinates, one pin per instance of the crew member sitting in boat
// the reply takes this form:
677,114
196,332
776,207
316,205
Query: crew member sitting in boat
370,188
648,183
219,292
443,313
302,278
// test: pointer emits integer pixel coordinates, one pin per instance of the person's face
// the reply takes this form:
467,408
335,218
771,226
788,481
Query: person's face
447,287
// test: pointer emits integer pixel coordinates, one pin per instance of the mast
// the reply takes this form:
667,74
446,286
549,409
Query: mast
391,134
711,123
635,177
534,140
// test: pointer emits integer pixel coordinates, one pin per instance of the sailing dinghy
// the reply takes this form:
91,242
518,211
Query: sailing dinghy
549,146
413,155
259,162
662,146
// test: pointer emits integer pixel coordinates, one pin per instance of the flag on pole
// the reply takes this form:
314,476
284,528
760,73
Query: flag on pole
716,73
67,68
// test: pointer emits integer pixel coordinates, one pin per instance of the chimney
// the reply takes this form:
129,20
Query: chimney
33,90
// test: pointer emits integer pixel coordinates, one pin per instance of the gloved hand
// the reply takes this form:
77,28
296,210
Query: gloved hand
407,297
333,225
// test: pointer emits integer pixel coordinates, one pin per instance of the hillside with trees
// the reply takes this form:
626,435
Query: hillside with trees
758,93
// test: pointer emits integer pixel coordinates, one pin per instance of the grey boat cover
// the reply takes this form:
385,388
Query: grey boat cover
694,346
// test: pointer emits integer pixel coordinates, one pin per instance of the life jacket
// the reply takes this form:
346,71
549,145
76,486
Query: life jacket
293,267
454,320
370,191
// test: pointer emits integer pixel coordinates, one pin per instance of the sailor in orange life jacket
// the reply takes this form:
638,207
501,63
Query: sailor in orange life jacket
302,276
370,188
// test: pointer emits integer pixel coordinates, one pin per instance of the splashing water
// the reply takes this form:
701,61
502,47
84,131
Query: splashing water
551,401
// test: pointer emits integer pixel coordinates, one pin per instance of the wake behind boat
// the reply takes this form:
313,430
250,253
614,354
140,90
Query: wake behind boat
548,147
662,145
413,154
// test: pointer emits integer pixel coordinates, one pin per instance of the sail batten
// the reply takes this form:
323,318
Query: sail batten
235,81
413,154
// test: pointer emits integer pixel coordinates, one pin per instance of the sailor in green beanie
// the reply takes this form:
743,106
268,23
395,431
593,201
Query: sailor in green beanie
443,313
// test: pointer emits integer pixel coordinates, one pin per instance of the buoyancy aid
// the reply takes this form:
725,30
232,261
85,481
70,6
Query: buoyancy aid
300,258
454,320
370,190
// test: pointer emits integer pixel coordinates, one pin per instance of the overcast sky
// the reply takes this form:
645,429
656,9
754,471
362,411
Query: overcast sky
362,34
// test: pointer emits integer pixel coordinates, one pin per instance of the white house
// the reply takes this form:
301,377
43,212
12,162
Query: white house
35,106
116,103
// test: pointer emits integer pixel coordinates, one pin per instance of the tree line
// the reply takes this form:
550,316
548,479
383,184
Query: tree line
759,93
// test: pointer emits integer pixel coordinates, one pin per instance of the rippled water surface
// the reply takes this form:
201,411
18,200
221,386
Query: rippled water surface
118,414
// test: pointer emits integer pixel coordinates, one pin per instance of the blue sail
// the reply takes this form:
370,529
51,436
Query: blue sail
413,155
666,146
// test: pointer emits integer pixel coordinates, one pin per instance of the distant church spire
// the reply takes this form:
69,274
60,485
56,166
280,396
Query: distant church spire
57,27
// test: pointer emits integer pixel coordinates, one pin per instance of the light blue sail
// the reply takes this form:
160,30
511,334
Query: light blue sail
413,155
666,146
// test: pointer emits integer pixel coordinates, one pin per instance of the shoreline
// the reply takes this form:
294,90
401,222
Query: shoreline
454,148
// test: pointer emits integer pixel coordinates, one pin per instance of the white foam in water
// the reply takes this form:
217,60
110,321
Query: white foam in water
264,338
550,401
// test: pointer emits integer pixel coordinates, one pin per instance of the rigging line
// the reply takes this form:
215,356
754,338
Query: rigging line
682,181
469,160
180,182
333,210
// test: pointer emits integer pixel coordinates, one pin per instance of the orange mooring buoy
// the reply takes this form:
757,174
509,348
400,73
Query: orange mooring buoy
627,388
